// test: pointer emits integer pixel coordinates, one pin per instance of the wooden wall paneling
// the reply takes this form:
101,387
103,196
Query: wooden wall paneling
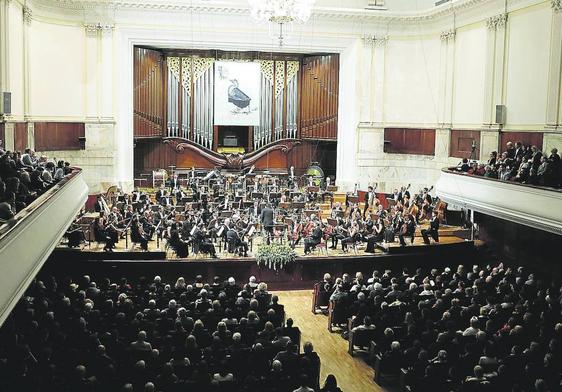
527,138
58,136
460,145
20,136
409,141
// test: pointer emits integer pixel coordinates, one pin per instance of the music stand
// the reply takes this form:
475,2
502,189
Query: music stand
298,204
225,214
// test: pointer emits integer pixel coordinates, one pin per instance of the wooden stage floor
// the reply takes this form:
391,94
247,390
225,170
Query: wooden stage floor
448,235
302,274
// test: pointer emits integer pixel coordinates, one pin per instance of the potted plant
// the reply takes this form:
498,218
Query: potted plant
275,256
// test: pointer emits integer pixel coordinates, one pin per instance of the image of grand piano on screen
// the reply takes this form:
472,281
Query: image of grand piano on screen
237,93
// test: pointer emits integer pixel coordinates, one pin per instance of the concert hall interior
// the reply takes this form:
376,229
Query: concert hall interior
280,195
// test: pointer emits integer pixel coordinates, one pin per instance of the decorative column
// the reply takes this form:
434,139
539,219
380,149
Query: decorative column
370,132
4,45
27,17
9,136
30,128
445,98
553,108
493,85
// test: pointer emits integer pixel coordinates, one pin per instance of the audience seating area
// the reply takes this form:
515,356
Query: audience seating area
481,329
149,335
24,177
519,163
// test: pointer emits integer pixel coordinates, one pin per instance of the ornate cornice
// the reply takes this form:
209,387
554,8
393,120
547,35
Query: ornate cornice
338,13
27,14
497,22
375,41
448,35
556,5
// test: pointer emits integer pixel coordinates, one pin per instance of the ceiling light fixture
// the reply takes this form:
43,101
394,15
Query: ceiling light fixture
281,12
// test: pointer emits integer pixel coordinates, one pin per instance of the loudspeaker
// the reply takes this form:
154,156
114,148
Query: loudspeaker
5,103
500,114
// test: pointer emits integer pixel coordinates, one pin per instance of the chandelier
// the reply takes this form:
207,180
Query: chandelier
281,12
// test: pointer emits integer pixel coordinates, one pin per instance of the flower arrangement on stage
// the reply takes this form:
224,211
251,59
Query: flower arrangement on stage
275,256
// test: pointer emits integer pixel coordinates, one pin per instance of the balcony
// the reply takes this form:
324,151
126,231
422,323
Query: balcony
27,241
534,206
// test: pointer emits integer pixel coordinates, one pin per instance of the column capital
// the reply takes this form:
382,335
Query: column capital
448,35
556,5
27,14
92,29
497,22
375,41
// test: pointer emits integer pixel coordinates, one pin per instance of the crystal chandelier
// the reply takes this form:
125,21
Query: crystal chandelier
281,12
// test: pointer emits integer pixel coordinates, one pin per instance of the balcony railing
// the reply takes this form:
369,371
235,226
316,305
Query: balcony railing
534,206
28,239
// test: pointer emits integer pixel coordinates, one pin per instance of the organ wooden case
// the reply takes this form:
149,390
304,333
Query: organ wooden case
173,111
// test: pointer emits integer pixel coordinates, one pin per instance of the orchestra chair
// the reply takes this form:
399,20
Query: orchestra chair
320,299
355,246
386,378
360,338
322,246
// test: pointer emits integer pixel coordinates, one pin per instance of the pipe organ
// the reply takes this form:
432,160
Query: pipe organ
174,99
148,94
319,101
190,100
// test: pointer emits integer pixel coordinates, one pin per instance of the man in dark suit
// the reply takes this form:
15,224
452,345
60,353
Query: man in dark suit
369,200
433,230
404,193
408,230
519,150
98,207
313,240
266,219
234,242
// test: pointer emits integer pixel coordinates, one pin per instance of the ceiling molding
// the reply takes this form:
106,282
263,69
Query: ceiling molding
333,13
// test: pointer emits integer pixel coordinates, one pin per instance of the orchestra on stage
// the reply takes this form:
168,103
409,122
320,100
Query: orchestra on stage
195,212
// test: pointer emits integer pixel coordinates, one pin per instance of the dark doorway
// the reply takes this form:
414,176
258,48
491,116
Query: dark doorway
233,136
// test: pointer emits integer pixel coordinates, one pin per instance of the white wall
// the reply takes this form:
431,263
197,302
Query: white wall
411,83
410,78
57,70
527,67
468,89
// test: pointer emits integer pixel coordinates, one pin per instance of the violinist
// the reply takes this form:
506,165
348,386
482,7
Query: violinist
353,236
147,224
235,243
102,233
377,236
314,239
338,233
337,211
201,243
138,235
180,247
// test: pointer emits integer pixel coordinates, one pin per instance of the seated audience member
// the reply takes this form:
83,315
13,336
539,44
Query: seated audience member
330,384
